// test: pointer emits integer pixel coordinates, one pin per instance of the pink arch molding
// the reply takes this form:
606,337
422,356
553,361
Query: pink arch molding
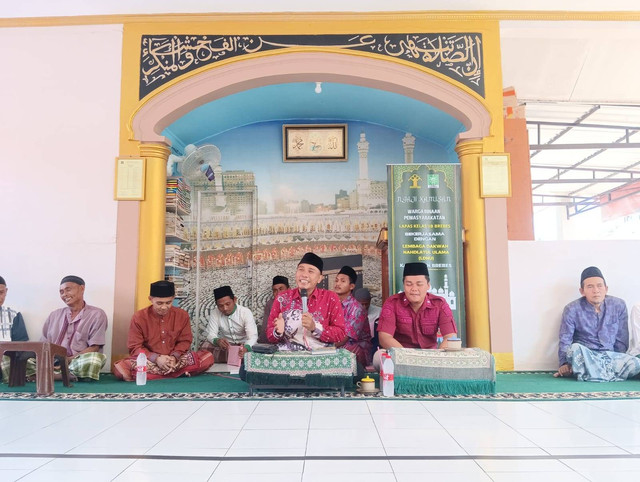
172,103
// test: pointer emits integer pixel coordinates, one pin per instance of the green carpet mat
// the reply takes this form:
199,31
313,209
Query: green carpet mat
544,382
509,386
110,384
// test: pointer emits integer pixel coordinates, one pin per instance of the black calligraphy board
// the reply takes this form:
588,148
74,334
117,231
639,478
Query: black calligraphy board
455,55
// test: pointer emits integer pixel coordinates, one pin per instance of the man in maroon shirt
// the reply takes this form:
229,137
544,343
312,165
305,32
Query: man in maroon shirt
411,319
306,317
163,333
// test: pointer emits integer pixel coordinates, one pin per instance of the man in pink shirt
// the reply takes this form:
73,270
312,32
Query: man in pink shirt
411,319
306,317
80,328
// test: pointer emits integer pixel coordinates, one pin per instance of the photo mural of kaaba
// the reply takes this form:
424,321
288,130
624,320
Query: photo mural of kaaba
260,215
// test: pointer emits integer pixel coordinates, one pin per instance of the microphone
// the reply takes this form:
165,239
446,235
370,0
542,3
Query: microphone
303,294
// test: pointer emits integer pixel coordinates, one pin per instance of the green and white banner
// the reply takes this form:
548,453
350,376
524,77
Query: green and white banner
425,225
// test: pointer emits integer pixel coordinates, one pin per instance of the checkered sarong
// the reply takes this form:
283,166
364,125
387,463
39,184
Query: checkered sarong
87,365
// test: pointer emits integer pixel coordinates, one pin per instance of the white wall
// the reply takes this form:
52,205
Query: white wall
59,118
545,276
36,8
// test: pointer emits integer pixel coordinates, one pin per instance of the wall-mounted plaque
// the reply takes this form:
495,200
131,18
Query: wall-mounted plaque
129,179
314,143
495,175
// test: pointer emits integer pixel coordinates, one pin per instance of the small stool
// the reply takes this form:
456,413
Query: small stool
45,353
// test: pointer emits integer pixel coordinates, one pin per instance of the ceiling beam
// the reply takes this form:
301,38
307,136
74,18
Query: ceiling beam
587,169
584,181
586,126
565,130
592,145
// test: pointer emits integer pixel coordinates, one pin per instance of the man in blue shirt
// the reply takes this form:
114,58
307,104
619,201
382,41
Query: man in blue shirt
594,334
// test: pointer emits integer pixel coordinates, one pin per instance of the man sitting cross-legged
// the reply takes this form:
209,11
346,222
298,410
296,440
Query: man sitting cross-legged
594,334
411,319
229,324
306,317
163,333
80,328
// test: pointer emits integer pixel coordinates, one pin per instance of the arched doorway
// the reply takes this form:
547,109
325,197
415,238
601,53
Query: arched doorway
193,90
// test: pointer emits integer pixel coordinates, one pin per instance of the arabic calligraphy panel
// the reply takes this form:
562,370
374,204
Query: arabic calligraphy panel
318,142
458,56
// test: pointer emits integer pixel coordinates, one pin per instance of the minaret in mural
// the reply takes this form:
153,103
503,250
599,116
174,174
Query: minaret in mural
363,185
220,197
408,144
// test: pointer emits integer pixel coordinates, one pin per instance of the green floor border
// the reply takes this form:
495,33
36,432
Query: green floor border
523,386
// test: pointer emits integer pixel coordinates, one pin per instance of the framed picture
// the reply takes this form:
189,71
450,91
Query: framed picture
495,175
314,142
130,179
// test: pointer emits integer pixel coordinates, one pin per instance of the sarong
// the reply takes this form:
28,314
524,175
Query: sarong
362,351
87,365
190,363
601,366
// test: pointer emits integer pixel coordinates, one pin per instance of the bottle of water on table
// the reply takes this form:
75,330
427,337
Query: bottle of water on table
386,374
141,369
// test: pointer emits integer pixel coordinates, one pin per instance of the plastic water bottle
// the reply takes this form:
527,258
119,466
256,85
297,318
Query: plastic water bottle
386,374
141,369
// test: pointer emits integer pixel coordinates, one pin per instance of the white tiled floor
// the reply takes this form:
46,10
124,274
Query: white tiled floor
305,440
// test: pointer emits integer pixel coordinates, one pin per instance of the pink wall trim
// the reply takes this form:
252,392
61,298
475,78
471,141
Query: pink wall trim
125,276
216,82
498,275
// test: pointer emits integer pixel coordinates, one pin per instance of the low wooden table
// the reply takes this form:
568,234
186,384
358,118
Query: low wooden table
438,372
301,370
45,353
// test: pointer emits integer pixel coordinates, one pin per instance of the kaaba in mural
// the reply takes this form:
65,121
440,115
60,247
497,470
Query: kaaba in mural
233,241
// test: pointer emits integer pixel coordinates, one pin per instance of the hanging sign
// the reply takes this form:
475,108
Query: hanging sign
425,226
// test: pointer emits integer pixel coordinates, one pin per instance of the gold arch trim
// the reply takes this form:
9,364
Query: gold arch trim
301,49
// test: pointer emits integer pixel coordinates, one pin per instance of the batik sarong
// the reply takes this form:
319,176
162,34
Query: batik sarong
601,366
190,363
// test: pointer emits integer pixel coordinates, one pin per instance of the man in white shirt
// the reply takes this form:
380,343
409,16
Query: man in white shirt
229,324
